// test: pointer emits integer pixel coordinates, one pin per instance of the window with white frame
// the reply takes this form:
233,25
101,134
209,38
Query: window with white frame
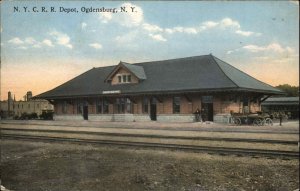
124,78
102,106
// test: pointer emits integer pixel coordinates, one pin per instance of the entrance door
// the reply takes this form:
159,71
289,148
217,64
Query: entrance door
207,112
85,112
207,108
153,109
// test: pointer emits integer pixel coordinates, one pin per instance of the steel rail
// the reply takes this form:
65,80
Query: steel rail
203,149
288,142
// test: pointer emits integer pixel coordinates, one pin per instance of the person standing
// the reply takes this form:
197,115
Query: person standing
198,115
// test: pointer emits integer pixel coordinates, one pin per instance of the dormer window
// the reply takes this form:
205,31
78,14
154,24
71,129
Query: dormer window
125,73
124,78
129,78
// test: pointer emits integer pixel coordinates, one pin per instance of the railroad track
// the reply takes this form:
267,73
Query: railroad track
287,142
193,148
202,129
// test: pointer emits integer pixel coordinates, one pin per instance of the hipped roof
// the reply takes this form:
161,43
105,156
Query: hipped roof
281,101
192,74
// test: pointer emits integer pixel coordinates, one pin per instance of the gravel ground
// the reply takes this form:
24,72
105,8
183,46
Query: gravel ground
182,132
287,125
39,166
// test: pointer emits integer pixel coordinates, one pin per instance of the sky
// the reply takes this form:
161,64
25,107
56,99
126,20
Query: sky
42,50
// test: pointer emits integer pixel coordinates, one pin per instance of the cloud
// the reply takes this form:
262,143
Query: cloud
127,37
26,43
158,37
228,22
47,42
136,19
244,33
187,30
95,45
296,2
247,33
83,25
151,28
232,51
209,24
16,41
133,17
274,47
22,47
225,23
105,17
30,40
61,39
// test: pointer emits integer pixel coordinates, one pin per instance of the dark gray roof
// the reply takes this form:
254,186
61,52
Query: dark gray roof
281,101
138,71
192,74
240,78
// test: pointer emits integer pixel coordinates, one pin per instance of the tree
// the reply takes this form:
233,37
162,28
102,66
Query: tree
291,91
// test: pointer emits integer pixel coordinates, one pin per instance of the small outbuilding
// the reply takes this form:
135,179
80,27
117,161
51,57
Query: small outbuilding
168,90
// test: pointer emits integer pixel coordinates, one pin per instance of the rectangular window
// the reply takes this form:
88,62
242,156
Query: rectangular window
37,105
79,108
128,105
129,78
207,99
145,104
99,106
245,101
64,107
105,106
124,78
120,104
123,105
233,98
29,105
176,105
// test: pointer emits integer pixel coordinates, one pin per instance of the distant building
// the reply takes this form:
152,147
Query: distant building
168,90
11,108
286,105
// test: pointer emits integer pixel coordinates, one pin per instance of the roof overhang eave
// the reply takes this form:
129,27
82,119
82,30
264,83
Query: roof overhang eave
219,90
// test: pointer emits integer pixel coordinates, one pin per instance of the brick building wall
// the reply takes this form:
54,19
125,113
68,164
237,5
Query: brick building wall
222,104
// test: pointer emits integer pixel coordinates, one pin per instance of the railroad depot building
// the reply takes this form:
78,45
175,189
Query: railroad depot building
168,90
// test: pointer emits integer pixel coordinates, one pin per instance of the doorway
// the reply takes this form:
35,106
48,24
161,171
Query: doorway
153,109
85,112
207,108
207,112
